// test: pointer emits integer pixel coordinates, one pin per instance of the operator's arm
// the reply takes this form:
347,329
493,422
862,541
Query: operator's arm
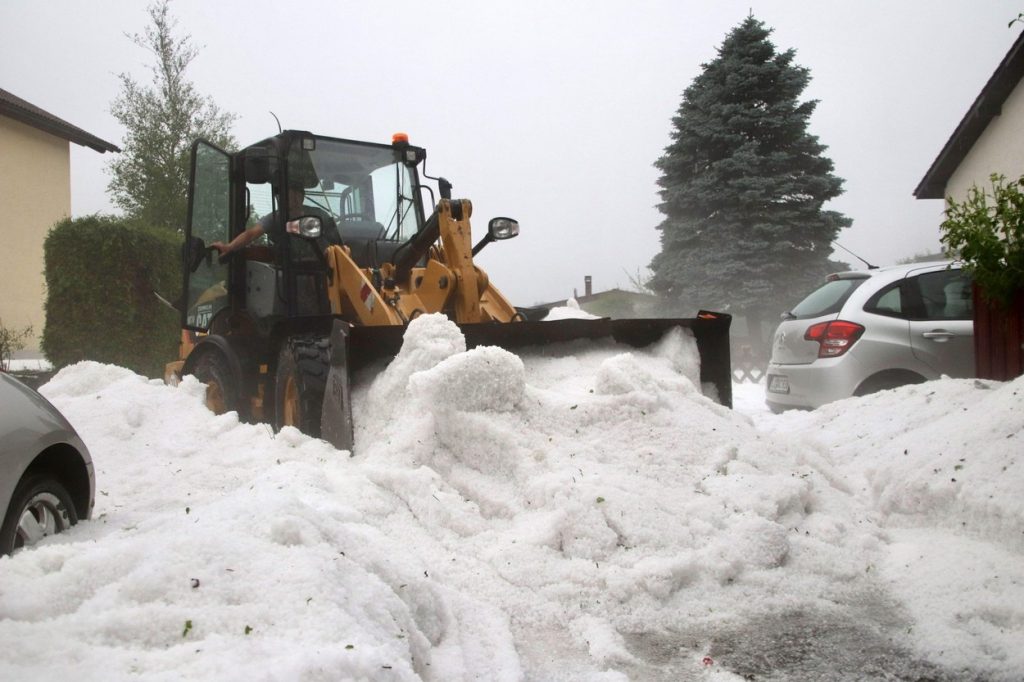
242,240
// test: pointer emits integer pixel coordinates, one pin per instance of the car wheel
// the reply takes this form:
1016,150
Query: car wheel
299,384
221,388
40,507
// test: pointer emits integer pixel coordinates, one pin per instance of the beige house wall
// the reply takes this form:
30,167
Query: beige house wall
1000,149
35,192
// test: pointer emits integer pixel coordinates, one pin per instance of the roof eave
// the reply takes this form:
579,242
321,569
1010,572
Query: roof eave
25,112
83,139
986,106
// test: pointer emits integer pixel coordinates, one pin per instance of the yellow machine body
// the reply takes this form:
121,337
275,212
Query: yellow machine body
448,283
278,351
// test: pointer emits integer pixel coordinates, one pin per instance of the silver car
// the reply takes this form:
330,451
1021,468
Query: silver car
869,330
46,473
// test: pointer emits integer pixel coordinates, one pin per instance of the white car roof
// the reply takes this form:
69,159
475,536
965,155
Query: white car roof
893,271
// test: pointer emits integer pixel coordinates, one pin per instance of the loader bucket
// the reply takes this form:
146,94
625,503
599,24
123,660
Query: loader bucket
356,347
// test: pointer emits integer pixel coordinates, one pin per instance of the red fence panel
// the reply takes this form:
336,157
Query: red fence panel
998,337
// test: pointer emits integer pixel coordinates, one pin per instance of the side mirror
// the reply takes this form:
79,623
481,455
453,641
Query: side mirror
307,226
503,228
497,229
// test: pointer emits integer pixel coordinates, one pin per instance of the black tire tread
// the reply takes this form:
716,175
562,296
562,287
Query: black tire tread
213,366
310,356
27,488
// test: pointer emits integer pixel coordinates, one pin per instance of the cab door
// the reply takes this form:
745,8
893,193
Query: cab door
209,220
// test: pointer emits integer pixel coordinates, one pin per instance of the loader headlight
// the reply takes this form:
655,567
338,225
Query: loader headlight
306,226
503,228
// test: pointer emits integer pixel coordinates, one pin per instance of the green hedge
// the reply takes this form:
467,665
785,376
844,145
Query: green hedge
100,275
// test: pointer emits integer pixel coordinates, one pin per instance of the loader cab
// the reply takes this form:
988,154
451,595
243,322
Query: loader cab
371,191
366,196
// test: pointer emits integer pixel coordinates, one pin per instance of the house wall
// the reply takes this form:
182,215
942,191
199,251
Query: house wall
35,192
1000,149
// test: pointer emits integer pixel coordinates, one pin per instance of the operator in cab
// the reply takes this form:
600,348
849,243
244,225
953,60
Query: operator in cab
272,224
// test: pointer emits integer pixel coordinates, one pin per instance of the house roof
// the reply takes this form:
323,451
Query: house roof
616,293
29,114
986,106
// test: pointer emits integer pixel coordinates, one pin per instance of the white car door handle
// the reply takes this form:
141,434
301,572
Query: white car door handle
939,335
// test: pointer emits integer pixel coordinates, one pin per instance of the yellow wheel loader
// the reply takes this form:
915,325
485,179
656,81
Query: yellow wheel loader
336,254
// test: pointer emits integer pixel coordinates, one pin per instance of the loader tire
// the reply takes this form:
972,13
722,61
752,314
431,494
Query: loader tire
302,368
213,369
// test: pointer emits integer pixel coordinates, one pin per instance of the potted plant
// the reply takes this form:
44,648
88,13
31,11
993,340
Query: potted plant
986,233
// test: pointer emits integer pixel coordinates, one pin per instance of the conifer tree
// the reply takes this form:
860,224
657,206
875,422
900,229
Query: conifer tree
743,184
149,179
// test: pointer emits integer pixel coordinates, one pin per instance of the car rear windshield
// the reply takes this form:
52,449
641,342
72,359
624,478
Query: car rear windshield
826,299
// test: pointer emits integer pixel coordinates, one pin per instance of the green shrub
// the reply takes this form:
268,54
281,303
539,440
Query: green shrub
986,232
101,272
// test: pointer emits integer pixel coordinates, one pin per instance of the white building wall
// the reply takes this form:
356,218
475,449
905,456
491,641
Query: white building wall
1000,149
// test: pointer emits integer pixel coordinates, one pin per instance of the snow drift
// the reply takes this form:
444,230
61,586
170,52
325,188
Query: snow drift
582,514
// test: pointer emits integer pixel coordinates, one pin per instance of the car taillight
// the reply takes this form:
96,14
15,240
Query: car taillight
834,338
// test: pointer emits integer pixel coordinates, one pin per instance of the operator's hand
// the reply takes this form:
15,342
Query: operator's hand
222,248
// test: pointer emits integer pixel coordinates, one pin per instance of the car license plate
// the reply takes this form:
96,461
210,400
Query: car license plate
778,383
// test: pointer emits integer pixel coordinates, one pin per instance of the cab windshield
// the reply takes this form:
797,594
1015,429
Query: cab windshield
368,191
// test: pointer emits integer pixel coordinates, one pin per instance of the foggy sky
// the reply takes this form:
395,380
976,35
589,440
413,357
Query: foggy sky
549,112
